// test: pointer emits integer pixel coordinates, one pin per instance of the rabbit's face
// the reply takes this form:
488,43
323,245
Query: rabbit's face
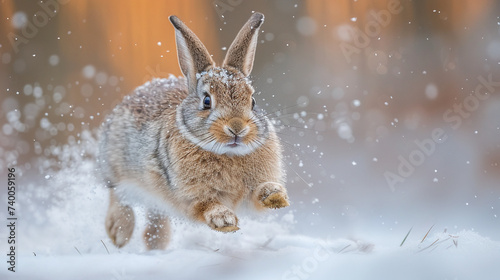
221,116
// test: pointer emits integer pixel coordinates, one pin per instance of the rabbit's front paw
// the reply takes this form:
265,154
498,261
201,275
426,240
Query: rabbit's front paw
272,195
276,200
221,218
120,224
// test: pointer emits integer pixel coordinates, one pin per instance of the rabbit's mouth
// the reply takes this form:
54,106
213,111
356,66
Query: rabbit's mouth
236,146
236,141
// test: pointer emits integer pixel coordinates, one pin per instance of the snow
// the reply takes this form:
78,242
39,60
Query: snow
61,236
54,60
306,26
19,20
88,71
431,91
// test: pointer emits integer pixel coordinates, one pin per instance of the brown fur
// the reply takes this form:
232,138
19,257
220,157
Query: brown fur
157,233
148,103
196,58
244,45
119,221
153,150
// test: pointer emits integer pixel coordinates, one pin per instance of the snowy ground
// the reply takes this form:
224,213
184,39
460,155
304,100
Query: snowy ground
61,236
252,255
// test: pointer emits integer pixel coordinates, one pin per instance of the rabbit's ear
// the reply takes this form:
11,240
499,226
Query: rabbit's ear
241,53
192,54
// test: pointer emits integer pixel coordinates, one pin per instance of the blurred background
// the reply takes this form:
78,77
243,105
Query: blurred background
357,86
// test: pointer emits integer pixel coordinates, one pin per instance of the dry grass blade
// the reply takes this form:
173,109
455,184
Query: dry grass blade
265,245
233,257
34,254
206,247
105,246
403,242
341,250
433,243
211,265
456,243
78,250
427,234
444,240
221,252
267,242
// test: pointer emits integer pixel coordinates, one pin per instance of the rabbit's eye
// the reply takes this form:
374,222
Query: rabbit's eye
207,102
253,103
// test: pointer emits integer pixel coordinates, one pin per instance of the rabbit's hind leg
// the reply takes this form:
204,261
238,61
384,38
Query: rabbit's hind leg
157,233
120,221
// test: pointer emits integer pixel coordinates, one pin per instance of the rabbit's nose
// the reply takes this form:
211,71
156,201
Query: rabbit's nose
236,127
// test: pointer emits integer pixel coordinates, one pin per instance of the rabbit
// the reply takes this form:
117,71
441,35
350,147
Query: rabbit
196,145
